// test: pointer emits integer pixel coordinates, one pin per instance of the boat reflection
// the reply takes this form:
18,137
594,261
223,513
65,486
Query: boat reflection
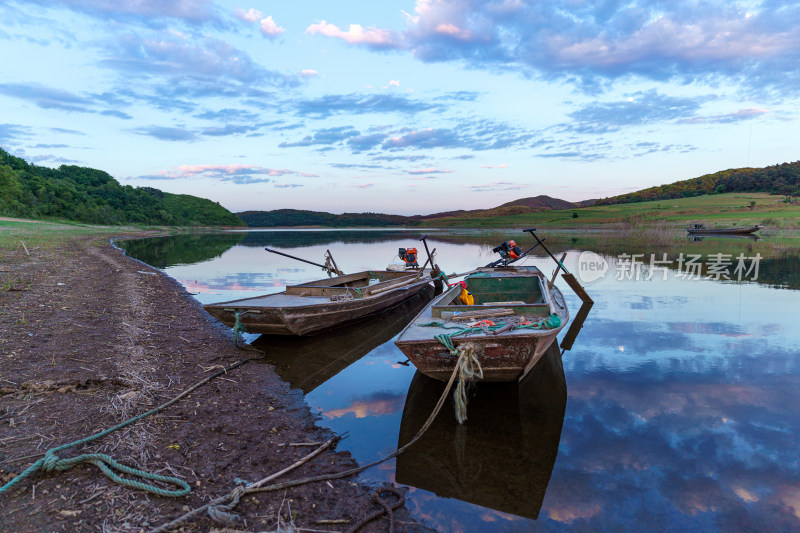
308,362
502,457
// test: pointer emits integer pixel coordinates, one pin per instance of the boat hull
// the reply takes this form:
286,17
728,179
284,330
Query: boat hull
303,311
501,359
723,231
507,356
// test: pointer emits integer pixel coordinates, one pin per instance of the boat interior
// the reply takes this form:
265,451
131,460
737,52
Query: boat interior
368,280
524,295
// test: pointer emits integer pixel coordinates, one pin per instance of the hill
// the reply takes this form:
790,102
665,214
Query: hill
88,195
541,202
295,217
776,179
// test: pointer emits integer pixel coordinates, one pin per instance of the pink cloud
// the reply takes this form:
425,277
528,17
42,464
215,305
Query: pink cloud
495,166
429,171
356,34
362,186
251,15
270,29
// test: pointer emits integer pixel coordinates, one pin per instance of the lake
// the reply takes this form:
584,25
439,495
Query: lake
675,409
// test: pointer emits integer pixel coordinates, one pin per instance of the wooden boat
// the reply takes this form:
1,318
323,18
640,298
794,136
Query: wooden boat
512,292
701,229
321,305
503,458
308,362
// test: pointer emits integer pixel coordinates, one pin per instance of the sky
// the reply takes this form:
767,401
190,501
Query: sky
399,106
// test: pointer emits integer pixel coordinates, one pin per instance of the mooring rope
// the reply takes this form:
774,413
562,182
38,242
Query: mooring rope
226,502
52,463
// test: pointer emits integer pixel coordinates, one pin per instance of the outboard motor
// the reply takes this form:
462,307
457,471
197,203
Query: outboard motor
409,257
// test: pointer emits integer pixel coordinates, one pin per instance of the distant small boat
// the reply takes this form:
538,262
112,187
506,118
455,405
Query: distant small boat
701,229
503,295
321,305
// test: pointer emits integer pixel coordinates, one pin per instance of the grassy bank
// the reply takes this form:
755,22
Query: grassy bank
715,210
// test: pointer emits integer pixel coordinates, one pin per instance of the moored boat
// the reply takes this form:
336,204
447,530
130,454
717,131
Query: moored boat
317,306
525,313
701,229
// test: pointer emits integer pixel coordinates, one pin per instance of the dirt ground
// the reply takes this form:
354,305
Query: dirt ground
89,338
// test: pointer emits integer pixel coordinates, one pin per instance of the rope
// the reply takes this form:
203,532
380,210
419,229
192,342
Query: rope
324,477
469,369
386,509
52,463
238,328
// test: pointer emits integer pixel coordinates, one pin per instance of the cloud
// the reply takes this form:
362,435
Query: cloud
502,165
366,142
417,157
57,99
189,11
359,104
429,171
644,107
360,167
288,185
474,135
166,134
269,29
495,186
588,43
361,186
51,159
371,37
249,16
309,73
736,116
209,61
326,136
240,174
11,133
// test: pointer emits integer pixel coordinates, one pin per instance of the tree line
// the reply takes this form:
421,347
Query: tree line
88,195
776,179
296,217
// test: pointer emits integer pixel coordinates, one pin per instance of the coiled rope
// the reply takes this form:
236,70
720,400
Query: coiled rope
52,463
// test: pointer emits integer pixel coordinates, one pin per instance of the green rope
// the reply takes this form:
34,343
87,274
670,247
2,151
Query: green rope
238,328
51,462
551,322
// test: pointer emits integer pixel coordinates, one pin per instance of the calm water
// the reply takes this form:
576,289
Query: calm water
676,408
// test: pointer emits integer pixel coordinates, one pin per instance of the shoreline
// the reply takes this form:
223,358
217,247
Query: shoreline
90,337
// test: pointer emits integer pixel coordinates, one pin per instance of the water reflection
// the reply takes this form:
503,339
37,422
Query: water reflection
307,362
681,401
163,252
503,456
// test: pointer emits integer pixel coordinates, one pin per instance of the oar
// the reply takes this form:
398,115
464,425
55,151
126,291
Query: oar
569,278
324,267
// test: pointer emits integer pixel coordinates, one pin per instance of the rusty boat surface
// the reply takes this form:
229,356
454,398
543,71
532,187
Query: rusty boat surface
521,297
322,305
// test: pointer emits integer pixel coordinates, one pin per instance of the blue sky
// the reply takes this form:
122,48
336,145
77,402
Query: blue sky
399,106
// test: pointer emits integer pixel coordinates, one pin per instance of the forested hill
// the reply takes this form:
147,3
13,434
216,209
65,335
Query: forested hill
295,217
87,195
776,179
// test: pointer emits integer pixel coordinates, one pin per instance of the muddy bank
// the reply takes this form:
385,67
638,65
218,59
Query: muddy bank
89,338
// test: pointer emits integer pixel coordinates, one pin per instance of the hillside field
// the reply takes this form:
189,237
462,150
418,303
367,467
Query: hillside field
728,209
